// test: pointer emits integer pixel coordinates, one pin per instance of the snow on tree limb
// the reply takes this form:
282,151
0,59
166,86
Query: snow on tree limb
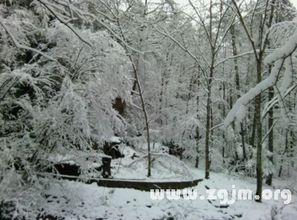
279,58
283,52
274,101
252,93
65,23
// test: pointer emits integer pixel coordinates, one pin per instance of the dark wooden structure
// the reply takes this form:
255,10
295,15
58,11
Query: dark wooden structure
145,185
139,184
106,167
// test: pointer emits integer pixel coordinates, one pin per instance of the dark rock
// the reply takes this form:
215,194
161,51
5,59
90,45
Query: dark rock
66,169
174,149
119,105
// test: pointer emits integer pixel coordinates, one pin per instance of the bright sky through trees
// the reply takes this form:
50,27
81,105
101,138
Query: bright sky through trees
186,2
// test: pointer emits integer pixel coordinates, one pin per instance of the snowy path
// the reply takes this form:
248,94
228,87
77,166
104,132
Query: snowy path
93,202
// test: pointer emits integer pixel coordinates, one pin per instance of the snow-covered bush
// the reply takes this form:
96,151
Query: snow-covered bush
56,95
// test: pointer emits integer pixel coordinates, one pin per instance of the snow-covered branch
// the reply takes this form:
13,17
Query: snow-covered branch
279,57
240,104
283,52
24,47
64,22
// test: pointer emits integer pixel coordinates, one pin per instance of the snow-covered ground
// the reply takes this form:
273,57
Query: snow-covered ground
77,200
81,201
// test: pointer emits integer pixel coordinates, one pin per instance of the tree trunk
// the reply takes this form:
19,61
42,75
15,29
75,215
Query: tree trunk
259,171
208,121
197,147
237,82
284,153
252,139
145,116
207,134
197,131
270,136
224,115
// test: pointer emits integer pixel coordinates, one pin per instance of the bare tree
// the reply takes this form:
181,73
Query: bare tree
259,48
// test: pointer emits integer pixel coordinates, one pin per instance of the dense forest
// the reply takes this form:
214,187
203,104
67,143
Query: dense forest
158,89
